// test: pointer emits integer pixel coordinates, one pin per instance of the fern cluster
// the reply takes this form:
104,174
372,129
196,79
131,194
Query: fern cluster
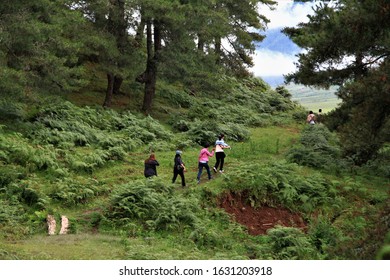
281,184
318,148
291,244
72,192
66,125
154,204
16,149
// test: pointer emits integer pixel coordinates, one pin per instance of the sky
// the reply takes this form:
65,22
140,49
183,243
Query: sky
269,62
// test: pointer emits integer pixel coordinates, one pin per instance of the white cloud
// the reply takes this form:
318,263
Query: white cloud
286,14
271,63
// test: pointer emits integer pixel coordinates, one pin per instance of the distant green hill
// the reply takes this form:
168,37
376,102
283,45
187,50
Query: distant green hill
314,99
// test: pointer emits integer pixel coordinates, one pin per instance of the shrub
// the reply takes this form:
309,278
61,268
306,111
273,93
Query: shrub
324,236
317,148
281,184
152,203
12,220
207,131
291,244
176,96
72,192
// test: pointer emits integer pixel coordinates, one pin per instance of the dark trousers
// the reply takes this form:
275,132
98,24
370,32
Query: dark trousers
181,173
205,165
220,157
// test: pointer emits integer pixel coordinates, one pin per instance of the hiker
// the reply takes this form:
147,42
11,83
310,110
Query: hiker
311,118
203,160
220,145
150,166
179,168
319,116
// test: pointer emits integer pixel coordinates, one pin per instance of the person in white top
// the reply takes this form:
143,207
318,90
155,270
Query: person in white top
220,145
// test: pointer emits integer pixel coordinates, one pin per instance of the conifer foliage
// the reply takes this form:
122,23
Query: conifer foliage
347,44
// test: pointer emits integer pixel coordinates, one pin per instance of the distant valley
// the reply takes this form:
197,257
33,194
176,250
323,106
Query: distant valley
314,99
310,98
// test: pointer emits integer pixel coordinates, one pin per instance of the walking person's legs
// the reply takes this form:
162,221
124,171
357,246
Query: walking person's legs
208,170
218,158
174,175
200,167
183,180
222,161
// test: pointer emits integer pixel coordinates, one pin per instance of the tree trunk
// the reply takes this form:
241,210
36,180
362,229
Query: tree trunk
110,90
151,65
200,43
218,49
117,26
117,84
140,32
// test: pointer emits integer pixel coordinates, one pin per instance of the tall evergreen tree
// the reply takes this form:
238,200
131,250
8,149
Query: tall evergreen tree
116,52
347,44
39,47
225,30
230,29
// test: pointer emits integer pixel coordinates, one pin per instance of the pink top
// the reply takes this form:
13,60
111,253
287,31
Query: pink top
204,155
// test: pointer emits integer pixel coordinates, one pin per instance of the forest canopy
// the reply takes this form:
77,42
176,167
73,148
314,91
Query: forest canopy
138,40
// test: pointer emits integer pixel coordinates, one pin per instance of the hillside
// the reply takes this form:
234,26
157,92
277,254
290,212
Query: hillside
314,99
86,163
91,91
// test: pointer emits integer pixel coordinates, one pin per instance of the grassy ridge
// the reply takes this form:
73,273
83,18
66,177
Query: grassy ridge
314,99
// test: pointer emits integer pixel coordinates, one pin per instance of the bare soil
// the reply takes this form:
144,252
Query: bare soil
258,220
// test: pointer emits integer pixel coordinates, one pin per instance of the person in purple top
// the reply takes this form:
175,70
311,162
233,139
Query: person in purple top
203,160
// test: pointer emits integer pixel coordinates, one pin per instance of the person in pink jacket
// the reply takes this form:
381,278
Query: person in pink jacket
203,160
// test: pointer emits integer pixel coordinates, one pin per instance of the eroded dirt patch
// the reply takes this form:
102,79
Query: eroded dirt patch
258,220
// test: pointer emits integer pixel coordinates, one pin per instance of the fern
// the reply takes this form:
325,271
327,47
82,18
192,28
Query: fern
73,192
153,203
280,184
291,244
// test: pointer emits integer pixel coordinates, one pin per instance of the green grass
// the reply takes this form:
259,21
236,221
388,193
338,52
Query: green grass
314,99
216,238
266,144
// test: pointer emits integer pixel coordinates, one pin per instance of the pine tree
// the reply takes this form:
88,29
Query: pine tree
347,44
39,47
113,49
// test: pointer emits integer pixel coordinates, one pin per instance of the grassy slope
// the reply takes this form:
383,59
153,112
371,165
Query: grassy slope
314,99
265,146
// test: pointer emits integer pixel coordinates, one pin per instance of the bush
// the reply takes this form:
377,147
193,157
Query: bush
72,192
176,96
152,203
281,184
318,148
291,244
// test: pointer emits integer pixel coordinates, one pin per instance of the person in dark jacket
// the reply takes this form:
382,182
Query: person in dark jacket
179,168
150,166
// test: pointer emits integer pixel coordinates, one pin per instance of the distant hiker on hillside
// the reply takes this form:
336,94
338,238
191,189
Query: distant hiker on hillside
319,116
151,166
311,118
220,145
203,160
179,168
